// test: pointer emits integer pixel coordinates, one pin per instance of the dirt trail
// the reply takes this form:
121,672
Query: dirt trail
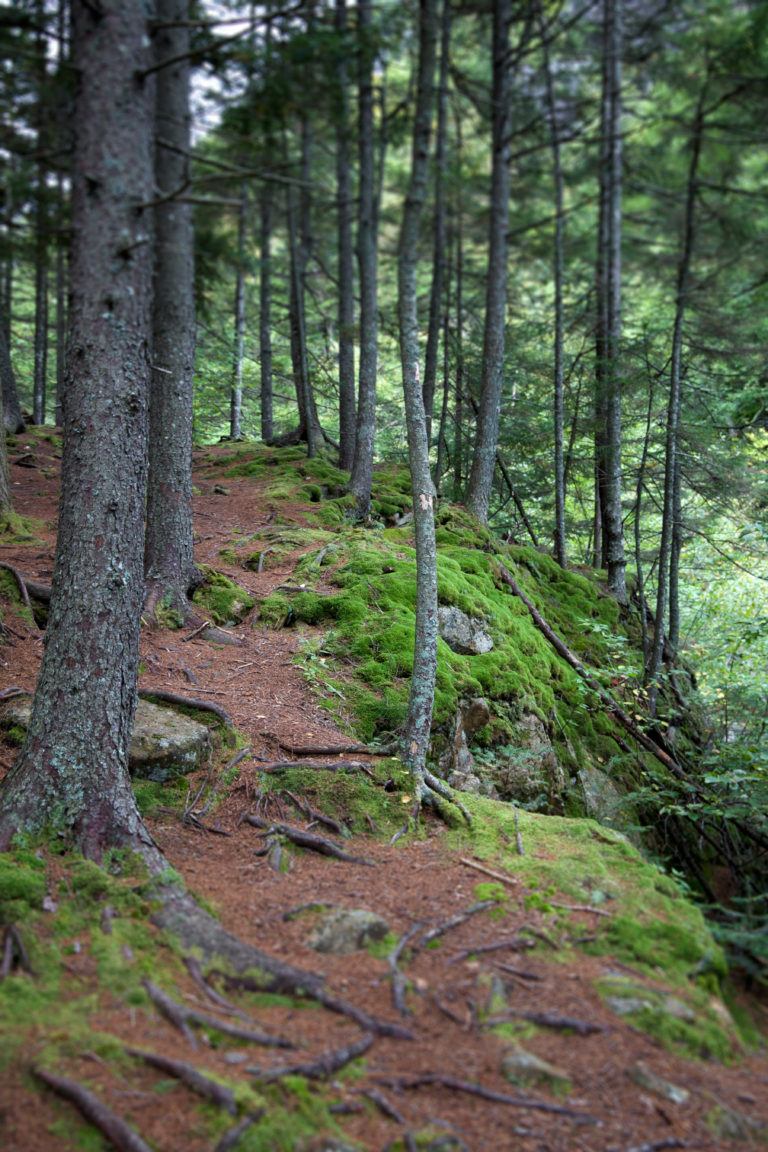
445,1075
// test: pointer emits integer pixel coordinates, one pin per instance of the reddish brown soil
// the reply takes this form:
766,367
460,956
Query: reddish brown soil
412,883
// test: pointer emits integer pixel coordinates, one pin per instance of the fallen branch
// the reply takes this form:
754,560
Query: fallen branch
181,1017
199,1083
330,749
547,1020
455,1085
580,908
187,702
326,1065
22,585
308,840
116,1131
606,699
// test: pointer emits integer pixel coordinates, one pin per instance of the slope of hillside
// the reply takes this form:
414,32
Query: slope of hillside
558,991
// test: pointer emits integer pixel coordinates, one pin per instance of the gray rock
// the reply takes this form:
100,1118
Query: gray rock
164,744
462,633
528,771
345,930
728,1124
522,1067
648,1080
602,799
450,748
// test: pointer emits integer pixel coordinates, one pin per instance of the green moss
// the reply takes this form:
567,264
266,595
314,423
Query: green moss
223,599
22,886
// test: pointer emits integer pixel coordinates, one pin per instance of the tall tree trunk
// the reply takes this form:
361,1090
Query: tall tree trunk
440,247
169,557
41,228
71,775
442,442
558,264
345,262
236,396
608,432
308,423
361,479
62,235
458,408
12,417
487,436
6,506
265,314
671,476
638,523
418,723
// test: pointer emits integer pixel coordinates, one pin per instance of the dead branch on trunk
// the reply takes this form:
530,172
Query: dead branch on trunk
187,702
115,1130
181,1016
199,1083
450,1082
547,1020
308,840
325,1066
455,921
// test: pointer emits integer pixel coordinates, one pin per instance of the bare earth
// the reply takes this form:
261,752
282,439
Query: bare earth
412,883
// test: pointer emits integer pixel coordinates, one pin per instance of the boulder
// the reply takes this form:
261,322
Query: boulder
345,930
164,744
462,633
528,771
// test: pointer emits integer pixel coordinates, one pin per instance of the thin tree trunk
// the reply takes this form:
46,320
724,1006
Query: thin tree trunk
265,314
608,432
41,230
236,398
440,247
62,236
487,435
675,553
458,410
307,422
6,506
361,479
638,524
12,417
442,442
346,262
418,723
653,670
71,776
558,265
169,549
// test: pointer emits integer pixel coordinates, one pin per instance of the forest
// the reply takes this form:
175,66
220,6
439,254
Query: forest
515,252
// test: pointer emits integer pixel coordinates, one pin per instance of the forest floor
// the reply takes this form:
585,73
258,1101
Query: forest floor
402,1086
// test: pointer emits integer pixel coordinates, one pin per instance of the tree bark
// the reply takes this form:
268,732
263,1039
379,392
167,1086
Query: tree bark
361,479
418,723
41,228
6,506
12,417
346,314
71,775
487,436
265,314
169,549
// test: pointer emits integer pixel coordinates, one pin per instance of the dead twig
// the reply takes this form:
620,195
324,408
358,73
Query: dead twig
231,1139
518,837
115,1130
313,815
201,1084
383,1105
308,840
319,1069
580,908
187,702
316,766
516,943
332,749
22,584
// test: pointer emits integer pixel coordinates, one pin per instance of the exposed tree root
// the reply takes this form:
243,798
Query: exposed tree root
455,921
325,1066
516,943
181,1016
231,1139
450,1082
547,1020
313,815
187,702
399,982
333,750
115,1130
308,840
199,1083
435,787
316,766
512,881
22,584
